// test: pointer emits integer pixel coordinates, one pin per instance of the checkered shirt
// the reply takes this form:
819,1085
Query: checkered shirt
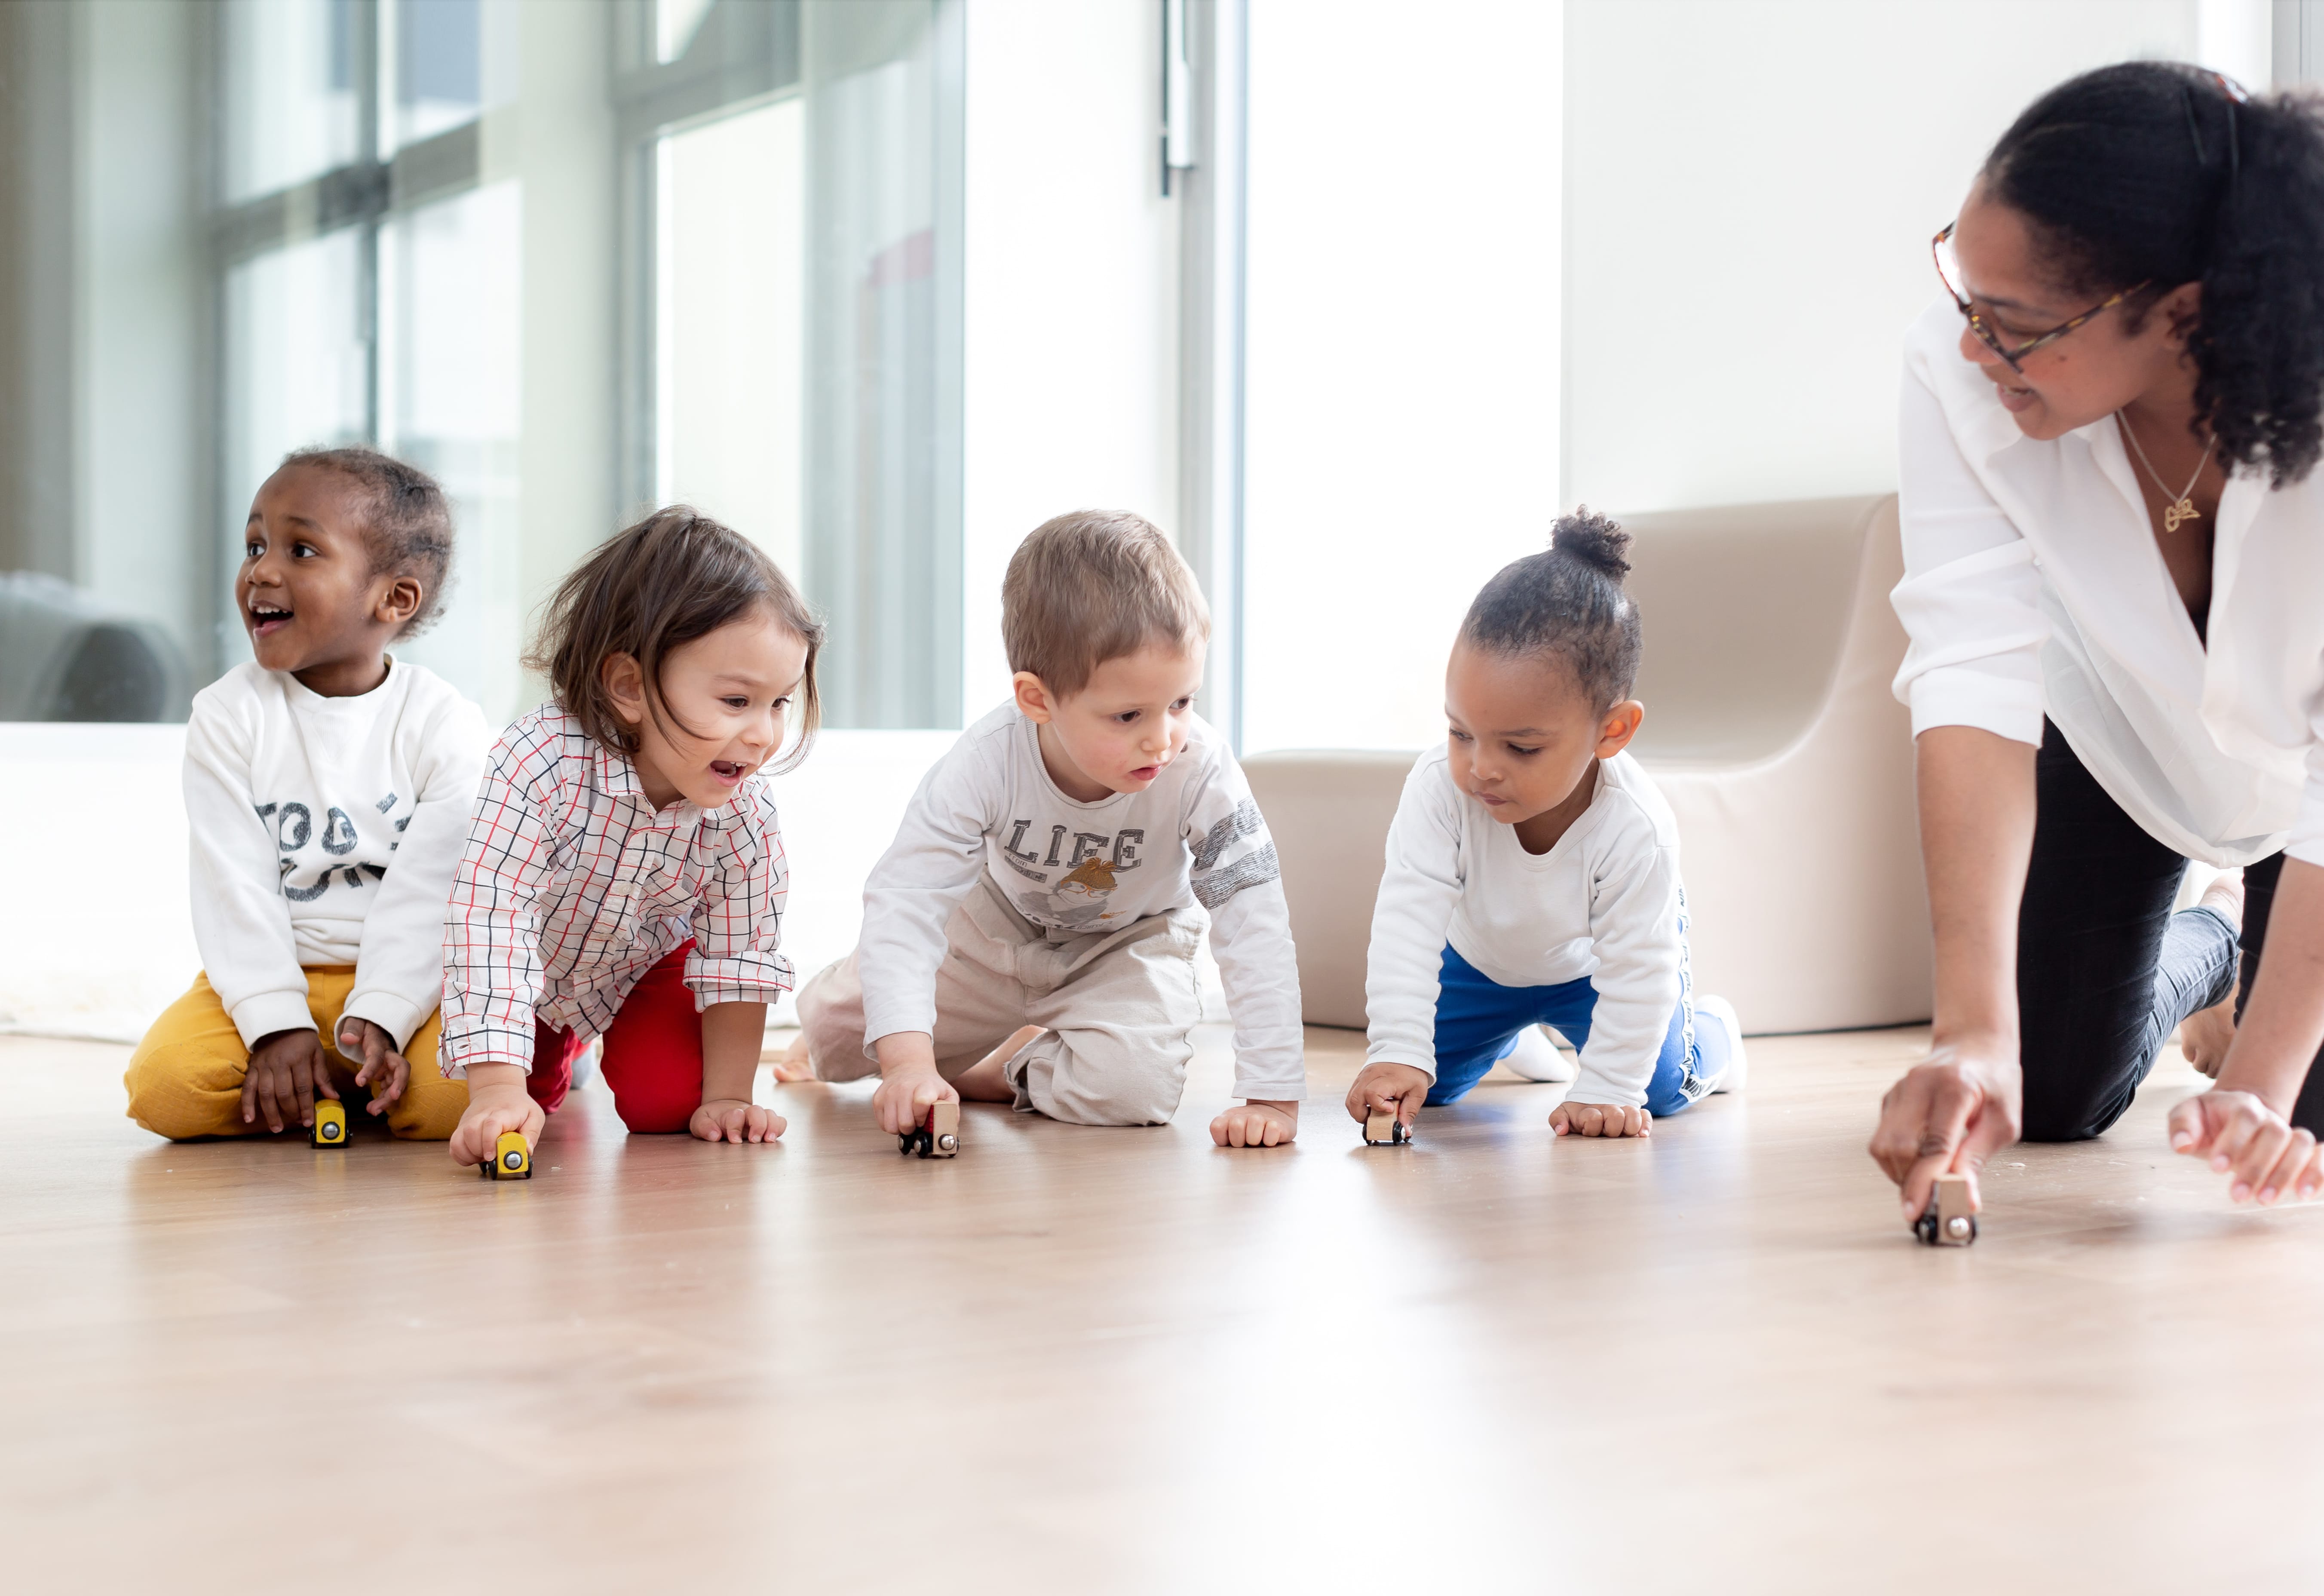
573,886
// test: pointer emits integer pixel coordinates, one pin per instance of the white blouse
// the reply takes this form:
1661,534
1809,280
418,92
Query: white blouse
2033,586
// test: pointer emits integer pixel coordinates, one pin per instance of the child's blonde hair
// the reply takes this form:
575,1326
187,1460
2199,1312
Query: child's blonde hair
1094,585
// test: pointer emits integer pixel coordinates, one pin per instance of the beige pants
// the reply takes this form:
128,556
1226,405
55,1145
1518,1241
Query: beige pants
1119,1007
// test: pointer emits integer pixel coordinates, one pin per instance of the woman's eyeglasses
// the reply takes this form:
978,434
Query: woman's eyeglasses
1949,269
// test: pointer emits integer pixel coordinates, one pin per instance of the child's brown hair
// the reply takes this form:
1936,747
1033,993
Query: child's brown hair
674,576
407,521
1094,585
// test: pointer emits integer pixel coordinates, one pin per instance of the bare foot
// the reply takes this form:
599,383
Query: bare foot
986,1080
2226,894
794,1064
2204,1038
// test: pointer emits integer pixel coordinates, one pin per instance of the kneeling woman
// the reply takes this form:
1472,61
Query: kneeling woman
2114,542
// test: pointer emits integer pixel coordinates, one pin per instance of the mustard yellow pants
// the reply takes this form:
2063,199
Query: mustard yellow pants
185,1079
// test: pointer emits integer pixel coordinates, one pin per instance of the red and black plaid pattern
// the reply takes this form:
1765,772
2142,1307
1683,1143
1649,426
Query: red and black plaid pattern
573,886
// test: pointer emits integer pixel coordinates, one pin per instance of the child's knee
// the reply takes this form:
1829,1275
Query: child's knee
1104,1082
429,1110
656,1113
1664,1101
185,1090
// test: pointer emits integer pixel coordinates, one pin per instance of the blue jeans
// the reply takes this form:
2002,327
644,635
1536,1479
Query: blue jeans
1477,1020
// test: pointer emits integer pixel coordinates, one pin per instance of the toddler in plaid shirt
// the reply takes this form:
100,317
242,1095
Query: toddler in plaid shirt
624,877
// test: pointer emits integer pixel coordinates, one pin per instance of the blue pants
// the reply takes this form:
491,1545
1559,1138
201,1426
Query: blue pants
1477,1020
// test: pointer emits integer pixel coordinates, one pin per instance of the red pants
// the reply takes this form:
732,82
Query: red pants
653,1053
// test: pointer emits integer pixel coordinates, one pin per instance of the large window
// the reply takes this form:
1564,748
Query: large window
798,171
572,259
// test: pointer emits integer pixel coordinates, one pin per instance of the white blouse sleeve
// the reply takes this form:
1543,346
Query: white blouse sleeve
1971,596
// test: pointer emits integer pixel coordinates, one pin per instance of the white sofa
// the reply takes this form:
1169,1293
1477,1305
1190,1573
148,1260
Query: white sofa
1770,645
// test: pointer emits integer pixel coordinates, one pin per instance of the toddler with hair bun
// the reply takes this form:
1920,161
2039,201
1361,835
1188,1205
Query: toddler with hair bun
1533,874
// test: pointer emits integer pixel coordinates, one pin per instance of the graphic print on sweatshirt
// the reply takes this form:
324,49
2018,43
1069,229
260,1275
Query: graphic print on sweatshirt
311,858
1092,863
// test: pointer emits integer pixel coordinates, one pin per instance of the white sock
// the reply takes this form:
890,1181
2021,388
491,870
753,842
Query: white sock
1738,1063
1537,1058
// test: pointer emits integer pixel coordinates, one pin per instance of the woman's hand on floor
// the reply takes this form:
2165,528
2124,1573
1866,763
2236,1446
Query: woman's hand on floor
2262,1155
728,1121
286,1075
1600,1119
497,1101
381,1067
1256,1123
1397,1089
1948,1116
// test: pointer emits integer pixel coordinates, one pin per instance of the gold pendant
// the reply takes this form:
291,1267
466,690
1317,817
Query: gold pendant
2173,515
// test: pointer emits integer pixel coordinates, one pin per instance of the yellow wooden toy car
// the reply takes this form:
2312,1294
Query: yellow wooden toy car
330,1127
512,1160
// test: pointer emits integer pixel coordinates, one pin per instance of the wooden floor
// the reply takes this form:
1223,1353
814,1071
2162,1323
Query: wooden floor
1088,1361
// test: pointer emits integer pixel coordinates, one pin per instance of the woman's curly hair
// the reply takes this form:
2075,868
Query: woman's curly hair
2152,171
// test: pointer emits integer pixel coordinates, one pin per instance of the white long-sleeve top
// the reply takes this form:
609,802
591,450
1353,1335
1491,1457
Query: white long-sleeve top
1604,904
1195,837
325,831
573,885
2033,585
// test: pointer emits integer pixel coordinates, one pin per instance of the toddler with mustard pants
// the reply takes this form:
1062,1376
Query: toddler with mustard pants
1532,875
1030,938
329,787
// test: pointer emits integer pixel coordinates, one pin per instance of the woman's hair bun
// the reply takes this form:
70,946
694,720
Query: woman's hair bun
1596,541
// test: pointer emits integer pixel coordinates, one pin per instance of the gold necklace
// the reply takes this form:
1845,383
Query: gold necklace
2182,508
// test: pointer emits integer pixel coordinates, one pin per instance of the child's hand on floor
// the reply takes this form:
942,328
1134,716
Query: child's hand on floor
909,1081
497,1101
1395,1089
1256,1123
381,1067
286,1073
726,1119
1600,1119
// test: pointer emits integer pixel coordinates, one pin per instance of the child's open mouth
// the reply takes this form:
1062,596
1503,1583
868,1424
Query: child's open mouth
265,617
728,772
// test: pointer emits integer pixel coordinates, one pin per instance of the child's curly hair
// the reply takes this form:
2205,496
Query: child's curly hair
1568,601
407,521
674,576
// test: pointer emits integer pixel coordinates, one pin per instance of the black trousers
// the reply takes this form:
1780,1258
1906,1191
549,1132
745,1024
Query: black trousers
2105,971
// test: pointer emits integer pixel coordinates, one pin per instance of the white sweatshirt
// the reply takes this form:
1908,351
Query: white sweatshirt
325,831
1194,836
1603,904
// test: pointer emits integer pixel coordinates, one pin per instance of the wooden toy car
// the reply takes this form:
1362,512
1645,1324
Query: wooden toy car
1383,1128
935,1137
1947,1221
512,1160
330,1127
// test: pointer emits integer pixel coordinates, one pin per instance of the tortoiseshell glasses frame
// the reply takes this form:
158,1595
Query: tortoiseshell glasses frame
1949,273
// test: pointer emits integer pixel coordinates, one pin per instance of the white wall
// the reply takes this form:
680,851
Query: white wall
1071,335
1403,348
1751,186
